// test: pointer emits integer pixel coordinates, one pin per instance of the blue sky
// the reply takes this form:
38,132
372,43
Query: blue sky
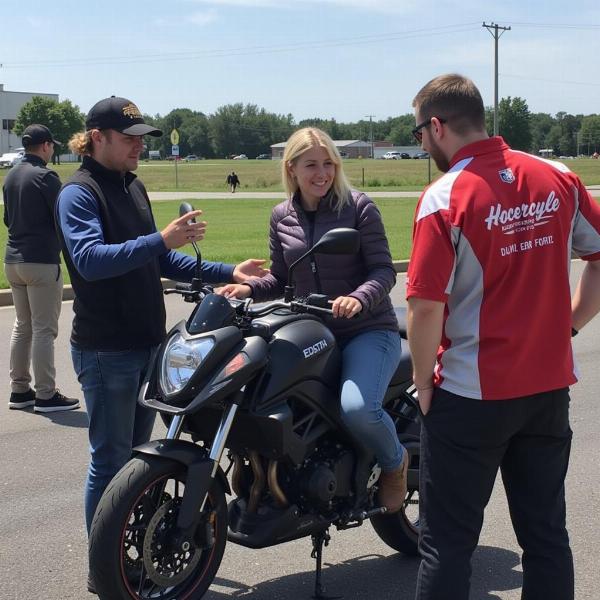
328,58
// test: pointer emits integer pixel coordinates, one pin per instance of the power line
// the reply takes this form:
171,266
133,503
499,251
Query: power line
556,81
244,51
557,25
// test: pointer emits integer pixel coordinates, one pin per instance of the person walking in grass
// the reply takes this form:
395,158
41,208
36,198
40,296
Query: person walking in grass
233,181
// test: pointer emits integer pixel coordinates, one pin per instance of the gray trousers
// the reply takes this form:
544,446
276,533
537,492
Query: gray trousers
37,295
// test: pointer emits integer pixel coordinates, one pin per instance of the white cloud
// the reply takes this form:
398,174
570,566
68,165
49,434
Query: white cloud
203,17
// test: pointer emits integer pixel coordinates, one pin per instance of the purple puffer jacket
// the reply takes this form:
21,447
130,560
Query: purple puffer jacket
368,276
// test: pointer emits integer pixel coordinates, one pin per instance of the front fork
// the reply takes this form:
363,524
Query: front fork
200,475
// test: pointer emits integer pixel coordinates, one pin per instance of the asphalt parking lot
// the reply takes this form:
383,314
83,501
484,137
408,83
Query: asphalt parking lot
43,546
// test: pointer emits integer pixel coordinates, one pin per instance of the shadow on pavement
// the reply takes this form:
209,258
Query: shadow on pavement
67,418
377,577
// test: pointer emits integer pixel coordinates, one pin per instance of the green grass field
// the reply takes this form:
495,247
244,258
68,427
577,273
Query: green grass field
264,175
238,229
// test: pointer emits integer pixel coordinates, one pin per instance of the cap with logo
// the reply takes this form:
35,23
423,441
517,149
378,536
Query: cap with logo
119,114
36,134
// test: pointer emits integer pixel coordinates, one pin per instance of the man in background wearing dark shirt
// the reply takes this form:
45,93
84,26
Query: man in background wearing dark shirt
32,267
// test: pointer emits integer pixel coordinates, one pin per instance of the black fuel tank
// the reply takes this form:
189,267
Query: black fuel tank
300,351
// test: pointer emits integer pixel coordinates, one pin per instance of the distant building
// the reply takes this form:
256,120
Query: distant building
347,148
10,105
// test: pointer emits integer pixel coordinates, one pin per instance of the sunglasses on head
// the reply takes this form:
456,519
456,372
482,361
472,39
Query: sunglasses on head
417,131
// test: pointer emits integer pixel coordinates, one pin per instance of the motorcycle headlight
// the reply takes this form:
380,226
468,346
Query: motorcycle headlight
180,361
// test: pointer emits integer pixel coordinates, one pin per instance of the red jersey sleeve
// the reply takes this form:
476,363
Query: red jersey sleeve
433,257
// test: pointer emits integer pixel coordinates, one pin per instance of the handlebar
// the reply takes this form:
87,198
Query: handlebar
244,308
297,306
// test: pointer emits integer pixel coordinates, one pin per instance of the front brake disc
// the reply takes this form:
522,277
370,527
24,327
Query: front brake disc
166,566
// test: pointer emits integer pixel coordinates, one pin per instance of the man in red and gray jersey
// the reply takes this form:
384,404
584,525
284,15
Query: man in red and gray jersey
490,319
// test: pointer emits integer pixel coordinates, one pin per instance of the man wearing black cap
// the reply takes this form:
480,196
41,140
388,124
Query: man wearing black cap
116,258
32,267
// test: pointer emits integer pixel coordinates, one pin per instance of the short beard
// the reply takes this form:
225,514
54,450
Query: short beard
438,156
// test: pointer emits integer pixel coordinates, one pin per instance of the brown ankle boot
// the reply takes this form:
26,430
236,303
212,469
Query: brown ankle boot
393,486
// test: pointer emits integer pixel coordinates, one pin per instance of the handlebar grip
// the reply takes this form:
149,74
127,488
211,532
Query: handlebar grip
318,310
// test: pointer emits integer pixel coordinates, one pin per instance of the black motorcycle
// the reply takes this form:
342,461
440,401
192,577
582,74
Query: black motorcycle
262,382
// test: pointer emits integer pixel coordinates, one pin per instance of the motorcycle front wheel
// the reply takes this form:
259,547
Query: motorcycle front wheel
130,555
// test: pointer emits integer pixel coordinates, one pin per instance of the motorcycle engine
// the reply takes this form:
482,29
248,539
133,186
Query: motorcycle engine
325,476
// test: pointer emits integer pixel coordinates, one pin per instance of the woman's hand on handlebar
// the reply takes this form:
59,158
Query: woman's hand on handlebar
234,290
346,306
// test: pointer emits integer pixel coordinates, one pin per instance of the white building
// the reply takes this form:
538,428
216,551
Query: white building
10,105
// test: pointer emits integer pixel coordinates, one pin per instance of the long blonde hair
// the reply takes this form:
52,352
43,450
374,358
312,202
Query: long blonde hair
299,142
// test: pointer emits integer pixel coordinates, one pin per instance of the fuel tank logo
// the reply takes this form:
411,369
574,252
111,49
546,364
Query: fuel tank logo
315,348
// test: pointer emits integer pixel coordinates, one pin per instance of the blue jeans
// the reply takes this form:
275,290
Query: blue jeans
110,382
369,361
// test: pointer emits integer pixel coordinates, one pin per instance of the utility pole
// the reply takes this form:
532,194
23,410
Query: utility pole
496,33
370,117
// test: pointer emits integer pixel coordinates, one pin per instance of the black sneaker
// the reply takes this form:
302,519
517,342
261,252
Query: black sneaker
56,403
21,399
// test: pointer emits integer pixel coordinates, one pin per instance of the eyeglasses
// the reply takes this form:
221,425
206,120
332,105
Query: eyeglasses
417,130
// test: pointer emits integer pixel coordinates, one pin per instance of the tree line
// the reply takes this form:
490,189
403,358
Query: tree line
248,129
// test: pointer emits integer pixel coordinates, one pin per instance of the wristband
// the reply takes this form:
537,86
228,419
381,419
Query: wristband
574,332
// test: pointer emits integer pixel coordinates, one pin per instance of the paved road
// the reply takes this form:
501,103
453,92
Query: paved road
263,195
42,538
154,196
594,191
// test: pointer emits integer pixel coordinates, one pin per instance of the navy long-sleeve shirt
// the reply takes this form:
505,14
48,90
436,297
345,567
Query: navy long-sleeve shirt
78,215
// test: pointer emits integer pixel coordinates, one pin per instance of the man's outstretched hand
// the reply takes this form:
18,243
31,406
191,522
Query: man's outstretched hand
253,267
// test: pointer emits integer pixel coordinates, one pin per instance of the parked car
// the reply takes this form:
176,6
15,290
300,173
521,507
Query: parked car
404,155
240,157
392,155
10,159
190,157
421,155
263,157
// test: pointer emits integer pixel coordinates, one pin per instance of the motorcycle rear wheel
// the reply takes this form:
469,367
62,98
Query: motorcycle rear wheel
134,514
400,530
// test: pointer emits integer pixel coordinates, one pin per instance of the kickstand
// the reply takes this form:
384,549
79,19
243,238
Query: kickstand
318,541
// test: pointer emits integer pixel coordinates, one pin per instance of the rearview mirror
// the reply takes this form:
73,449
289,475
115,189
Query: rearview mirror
185,208
342,240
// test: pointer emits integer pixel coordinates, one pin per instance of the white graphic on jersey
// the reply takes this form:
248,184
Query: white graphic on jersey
523,217
507,175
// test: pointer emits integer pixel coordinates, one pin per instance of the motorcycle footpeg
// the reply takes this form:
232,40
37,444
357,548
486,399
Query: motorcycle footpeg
356,519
